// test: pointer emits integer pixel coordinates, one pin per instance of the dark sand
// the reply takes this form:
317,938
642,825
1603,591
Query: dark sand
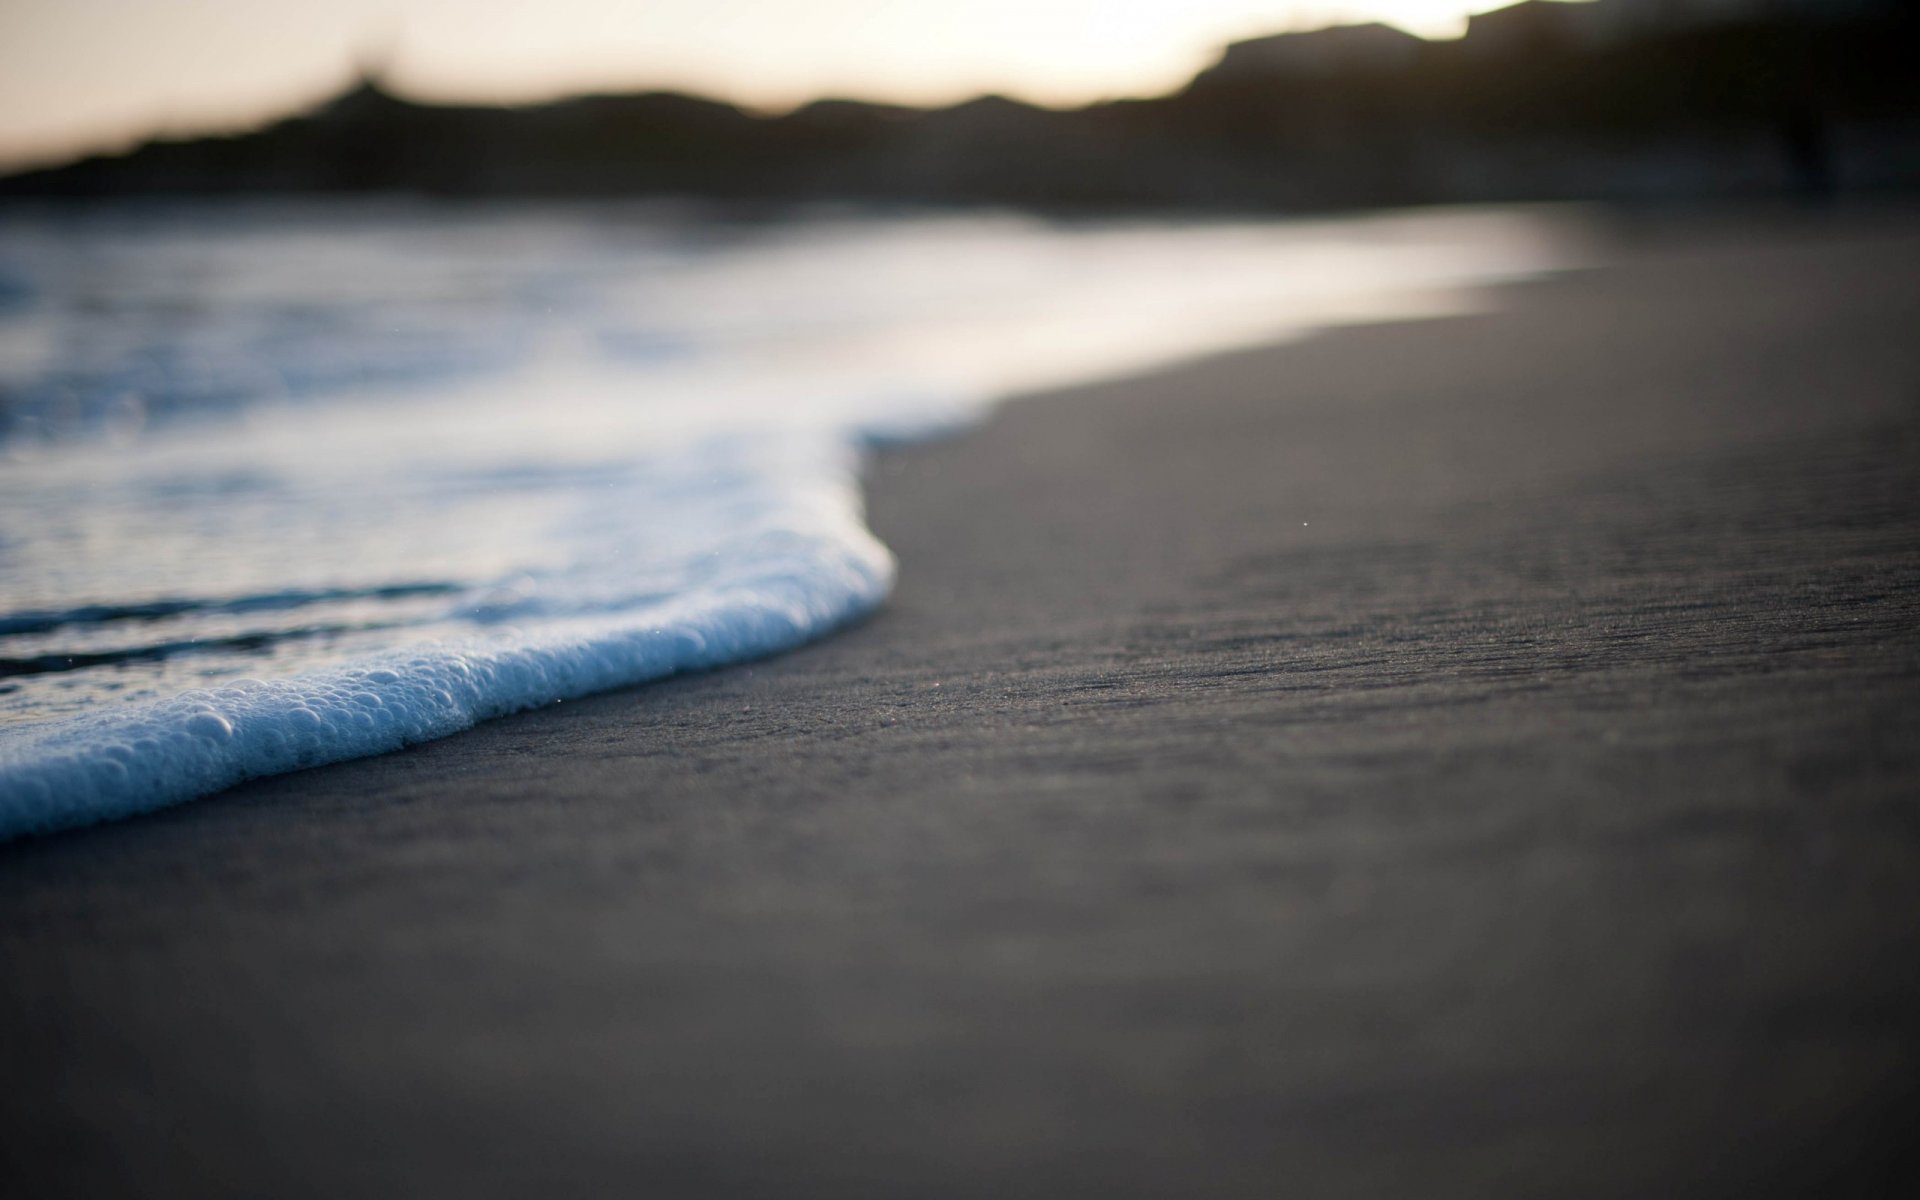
1472,757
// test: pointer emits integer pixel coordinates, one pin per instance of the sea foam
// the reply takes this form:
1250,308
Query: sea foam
287,486
793,580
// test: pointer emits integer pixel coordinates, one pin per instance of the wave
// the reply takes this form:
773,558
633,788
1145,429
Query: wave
13,624
829,571
312,486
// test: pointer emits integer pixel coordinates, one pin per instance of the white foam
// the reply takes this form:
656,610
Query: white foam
808,566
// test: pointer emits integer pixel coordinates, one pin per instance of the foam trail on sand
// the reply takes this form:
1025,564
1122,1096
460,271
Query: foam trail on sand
810,568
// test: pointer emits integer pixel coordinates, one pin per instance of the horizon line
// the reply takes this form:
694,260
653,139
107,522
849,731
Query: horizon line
380,70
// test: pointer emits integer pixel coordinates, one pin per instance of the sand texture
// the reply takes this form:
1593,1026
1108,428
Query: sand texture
1467,757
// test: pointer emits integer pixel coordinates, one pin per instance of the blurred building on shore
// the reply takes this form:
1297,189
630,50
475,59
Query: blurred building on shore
1340,49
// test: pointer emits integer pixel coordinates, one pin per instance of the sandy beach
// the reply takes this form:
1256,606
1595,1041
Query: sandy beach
1461,757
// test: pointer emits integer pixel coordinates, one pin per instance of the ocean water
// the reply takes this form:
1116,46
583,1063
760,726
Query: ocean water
285,484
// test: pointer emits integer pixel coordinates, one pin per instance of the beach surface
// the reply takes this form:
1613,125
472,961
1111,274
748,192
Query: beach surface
1472,756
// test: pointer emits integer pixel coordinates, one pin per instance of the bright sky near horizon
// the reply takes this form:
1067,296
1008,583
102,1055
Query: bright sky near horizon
85,74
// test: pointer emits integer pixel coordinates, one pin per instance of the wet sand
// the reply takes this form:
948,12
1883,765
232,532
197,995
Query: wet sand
1464,757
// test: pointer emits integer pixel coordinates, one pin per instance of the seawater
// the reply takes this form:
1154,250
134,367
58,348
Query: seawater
285,484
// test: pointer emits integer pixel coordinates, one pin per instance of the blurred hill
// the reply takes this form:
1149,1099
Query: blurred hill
1618,99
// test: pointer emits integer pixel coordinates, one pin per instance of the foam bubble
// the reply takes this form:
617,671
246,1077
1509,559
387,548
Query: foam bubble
132,759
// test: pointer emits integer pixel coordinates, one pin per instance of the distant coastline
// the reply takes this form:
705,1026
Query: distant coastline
1540,101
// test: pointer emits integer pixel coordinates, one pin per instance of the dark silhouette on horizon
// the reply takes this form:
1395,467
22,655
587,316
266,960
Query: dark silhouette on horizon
1619,99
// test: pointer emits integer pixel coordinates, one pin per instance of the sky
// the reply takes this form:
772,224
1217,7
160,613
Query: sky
79,75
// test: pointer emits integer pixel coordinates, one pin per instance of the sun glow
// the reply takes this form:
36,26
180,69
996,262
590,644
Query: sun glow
81,73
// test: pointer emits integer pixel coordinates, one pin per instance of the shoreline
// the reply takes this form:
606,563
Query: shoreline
1473,754
111,719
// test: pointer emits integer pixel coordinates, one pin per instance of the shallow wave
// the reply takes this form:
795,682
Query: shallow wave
57,661
128,760
305,486
13,624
